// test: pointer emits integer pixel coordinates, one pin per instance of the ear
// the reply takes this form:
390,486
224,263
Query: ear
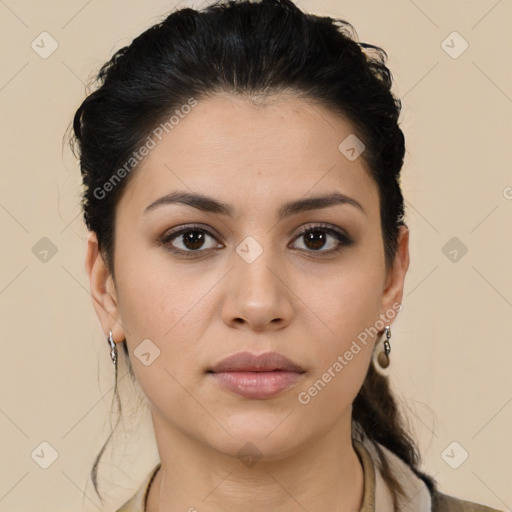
103,290
394,287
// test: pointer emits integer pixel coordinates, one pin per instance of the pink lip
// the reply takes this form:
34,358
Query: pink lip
256,376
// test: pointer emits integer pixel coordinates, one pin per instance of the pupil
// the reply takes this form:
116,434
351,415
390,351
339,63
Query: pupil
310,237
192,241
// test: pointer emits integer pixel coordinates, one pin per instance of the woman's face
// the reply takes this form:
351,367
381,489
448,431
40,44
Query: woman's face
247,280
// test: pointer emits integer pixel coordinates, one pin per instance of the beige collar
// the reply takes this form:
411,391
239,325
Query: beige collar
417,496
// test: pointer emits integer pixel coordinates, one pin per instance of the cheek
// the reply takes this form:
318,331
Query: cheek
345,308
348,311
342,304
155,305
328,395
155,296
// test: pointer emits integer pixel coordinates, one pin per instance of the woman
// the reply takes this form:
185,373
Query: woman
248,252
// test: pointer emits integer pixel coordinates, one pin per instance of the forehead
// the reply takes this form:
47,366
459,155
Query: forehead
257,152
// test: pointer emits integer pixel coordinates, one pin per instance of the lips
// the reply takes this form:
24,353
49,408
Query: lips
256,376
248,362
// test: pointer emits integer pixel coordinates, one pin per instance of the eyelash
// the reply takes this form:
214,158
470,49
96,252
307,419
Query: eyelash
343,239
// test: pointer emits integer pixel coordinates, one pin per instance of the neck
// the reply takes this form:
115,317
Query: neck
324,474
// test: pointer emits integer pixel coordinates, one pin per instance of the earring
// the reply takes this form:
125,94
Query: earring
113,349
381,357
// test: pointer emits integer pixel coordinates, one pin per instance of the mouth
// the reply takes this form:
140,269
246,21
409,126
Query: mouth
256,376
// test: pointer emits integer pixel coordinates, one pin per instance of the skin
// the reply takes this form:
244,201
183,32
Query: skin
294,300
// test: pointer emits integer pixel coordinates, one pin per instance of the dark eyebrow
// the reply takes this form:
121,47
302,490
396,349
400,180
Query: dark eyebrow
314,203
209,204
199,201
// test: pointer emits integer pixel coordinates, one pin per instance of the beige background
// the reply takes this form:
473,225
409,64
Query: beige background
452,354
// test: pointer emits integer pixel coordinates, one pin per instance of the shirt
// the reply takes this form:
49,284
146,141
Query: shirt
376,494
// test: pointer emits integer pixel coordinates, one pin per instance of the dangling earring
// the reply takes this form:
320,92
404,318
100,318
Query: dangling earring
113,349
380,357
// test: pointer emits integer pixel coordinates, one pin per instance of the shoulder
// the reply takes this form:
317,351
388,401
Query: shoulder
445,503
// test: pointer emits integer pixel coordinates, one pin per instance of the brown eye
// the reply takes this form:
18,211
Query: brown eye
193,239
316,238
189,239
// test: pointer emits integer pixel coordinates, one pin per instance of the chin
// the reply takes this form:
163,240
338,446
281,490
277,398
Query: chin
263,436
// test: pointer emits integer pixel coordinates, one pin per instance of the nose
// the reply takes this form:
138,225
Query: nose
258,294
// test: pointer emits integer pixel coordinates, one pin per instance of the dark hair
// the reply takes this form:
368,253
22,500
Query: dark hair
251,49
